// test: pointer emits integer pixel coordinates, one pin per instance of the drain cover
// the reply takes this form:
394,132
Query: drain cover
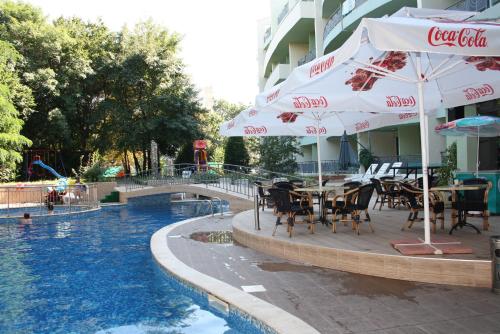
213,237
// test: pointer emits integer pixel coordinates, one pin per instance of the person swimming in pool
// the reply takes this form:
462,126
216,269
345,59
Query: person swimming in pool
26,220
50,208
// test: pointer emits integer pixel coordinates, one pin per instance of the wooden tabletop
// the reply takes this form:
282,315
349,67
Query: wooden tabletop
459,187
316,188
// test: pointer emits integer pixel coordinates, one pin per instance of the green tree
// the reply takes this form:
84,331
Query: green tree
236,152
12,94
150,98
185,155
278,154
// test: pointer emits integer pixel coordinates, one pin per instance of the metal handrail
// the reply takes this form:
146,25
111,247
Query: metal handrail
470,5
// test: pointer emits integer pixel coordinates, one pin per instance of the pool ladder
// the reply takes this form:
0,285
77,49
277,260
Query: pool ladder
211,202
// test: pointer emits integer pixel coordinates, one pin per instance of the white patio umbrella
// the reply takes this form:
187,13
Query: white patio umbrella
253,122
414,61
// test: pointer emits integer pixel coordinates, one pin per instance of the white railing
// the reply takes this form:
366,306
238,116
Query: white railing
15,200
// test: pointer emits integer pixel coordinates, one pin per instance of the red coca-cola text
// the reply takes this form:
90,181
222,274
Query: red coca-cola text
475,93
362,125
394,101
272,96
321,66
255,130
252,112
465,37
407,115
303,102
312,130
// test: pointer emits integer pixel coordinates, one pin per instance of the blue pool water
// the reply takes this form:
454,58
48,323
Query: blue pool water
95,274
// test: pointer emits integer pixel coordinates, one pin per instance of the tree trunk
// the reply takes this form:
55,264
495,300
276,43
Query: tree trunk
144,159
126,162
150,162
136,163
158,160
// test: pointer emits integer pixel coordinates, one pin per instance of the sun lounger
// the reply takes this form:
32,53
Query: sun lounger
370,172
383,170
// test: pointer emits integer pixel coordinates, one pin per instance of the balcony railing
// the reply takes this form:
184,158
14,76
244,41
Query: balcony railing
267,35
327,167
338,15
472,5
283,14
288,8
307,58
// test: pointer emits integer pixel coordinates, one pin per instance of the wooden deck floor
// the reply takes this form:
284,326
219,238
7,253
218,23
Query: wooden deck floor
387,224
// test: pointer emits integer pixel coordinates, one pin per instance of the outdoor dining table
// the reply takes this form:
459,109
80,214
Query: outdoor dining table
414,169
321,194
459,213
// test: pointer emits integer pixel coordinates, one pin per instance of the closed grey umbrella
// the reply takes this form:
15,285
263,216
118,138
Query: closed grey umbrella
347,157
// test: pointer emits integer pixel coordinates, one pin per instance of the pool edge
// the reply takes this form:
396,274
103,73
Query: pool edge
259,310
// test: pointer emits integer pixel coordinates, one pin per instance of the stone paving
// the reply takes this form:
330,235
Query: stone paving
334,301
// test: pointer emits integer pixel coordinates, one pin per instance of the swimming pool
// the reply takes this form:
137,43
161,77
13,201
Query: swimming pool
95,274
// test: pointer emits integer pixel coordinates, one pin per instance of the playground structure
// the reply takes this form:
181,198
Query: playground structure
62,182
50,158
200,155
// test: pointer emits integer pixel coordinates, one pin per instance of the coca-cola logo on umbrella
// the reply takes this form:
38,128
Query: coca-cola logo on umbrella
465,37
273,96
484,63
474,93
255,130
252,113
288,117
407,115
363,79
230,125
321,66
395,101
304,102
362,125
312,130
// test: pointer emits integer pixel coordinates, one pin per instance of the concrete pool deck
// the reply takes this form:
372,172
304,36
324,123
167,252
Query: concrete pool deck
332,301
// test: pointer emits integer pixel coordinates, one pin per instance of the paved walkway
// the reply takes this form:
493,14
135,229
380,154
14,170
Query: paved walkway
334,301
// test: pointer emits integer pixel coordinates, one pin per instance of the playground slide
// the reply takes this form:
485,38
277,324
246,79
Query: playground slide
50,169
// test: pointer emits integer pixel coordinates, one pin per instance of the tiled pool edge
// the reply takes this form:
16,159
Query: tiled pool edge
264,315
474,273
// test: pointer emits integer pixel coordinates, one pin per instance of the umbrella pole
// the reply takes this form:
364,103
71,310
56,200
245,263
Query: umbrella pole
477,154
320,177
424,148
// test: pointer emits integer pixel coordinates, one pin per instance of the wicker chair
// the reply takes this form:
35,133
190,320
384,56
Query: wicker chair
473,200
355,201
415,201
263,197
336,206
286,204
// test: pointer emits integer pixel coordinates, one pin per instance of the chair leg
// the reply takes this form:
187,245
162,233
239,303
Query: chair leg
367,216
290,222
278,222
409,221
371,227
433,221
376,201
486,223
381,203
357,221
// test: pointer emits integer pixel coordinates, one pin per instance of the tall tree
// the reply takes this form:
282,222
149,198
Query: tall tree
12,94
235,152
151,98
278,154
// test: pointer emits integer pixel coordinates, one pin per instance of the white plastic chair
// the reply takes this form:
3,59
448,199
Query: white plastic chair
370,171
383,170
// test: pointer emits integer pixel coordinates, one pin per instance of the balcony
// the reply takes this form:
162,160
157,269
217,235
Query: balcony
311,55
472,5
279,73
345,19
296,22
267,36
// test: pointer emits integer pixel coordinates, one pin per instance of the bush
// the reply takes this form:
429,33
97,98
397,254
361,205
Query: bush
236,152
366,158
447,171
93,170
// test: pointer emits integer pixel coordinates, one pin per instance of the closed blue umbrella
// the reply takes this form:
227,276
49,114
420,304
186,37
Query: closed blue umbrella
347,155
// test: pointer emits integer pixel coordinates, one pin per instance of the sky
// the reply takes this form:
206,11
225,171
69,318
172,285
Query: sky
219,43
